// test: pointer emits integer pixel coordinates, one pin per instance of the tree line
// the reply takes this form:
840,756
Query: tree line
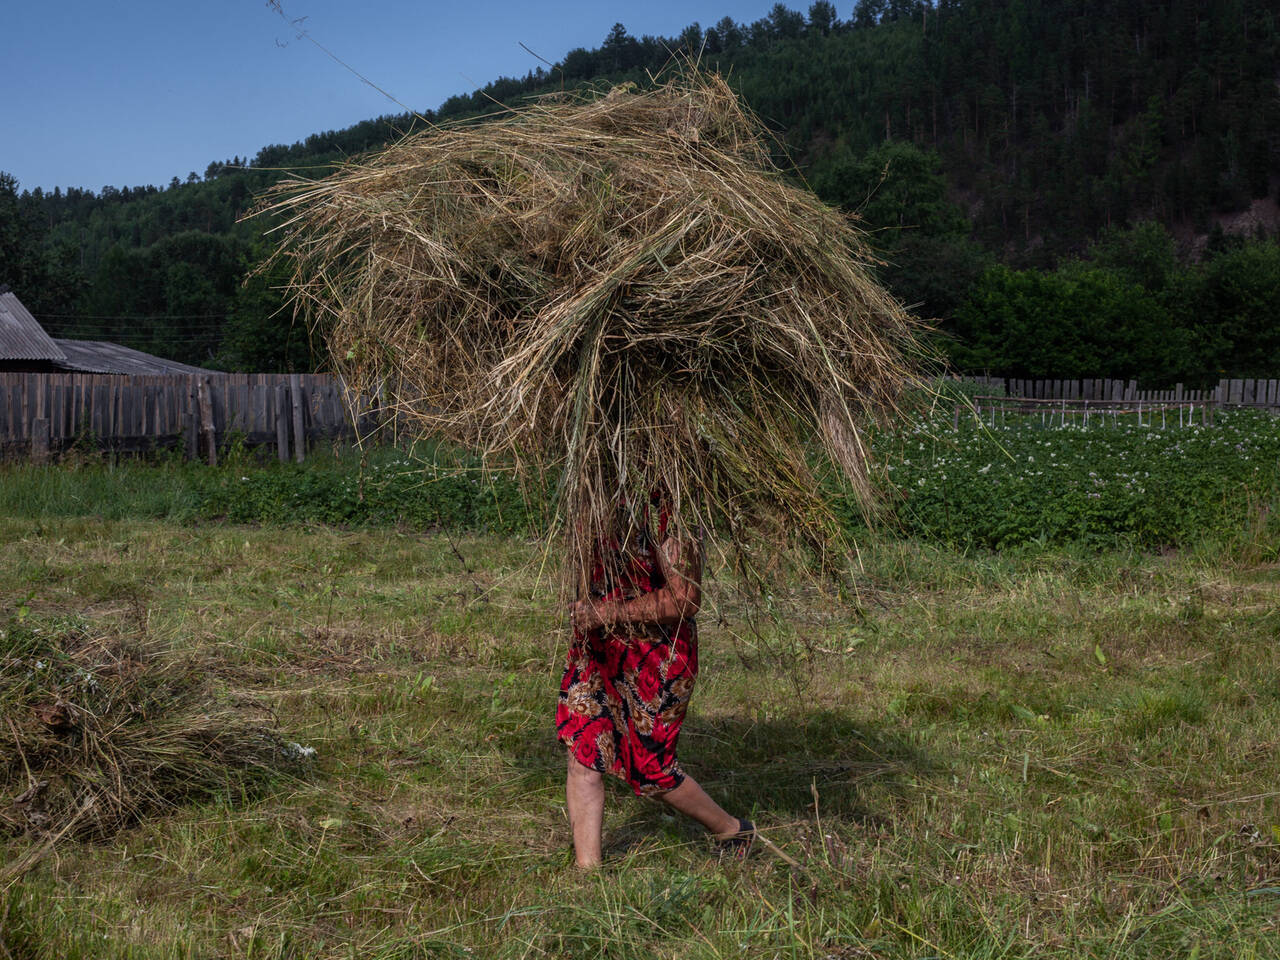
1048,178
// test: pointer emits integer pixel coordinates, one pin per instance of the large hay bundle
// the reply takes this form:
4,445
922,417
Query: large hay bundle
619,292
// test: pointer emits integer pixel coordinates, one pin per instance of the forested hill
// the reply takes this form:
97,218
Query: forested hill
1003,153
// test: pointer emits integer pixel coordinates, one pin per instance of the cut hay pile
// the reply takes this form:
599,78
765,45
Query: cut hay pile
100,733
620,294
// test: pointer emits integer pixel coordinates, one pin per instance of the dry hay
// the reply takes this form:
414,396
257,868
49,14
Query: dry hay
100,732
612,295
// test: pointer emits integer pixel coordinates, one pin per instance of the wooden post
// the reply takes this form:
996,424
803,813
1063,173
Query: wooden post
299,432
57,411
112,421
205,402
282,422
186,412
40,426
157,416
40,440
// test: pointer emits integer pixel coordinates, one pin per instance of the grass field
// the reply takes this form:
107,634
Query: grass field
1040,753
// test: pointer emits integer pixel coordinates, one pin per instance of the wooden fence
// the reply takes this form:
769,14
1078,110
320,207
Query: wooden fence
46,413
1166,413
42,414
1227,393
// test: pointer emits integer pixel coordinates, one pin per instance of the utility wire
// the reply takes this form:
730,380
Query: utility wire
136,316
304,34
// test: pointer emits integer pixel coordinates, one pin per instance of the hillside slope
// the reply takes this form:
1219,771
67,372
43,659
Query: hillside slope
964,131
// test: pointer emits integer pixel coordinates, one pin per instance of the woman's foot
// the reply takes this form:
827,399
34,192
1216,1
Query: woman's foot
737,844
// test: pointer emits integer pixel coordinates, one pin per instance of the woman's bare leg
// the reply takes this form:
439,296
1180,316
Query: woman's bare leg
584,794
690,799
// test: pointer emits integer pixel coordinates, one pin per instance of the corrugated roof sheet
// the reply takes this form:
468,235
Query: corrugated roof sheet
97,356
21,336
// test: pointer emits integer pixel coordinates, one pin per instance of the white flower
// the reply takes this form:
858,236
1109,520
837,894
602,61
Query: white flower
296,751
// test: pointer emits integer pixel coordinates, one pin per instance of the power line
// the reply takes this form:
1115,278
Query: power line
74,332
135,316
173,343
120,335
146,345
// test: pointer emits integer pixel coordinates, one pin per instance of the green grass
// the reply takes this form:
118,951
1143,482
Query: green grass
993,486
1041,753
426,487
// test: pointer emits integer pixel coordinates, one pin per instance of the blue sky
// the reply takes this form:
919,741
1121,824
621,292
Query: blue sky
138,91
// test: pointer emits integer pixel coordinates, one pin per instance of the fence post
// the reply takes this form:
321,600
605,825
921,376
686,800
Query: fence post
40,424
282,423
206,420
40,440
299,432
186,411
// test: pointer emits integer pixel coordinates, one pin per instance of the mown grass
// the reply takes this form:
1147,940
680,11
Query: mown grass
1042,753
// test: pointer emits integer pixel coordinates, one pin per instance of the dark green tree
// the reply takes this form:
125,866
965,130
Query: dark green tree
900,194
1079,321
867,13
1145,254
41,272
823,18
691,39
729,34
620,51
261,335
1237,305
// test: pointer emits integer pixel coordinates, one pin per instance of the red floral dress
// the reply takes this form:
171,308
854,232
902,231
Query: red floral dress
625,690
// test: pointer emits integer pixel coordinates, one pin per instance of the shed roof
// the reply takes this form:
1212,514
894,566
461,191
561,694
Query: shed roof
21,336
98,356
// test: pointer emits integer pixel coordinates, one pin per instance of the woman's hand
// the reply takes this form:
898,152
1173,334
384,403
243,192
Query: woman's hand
677,599
587,615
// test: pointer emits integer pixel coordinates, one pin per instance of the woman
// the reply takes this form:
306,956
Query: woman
627,684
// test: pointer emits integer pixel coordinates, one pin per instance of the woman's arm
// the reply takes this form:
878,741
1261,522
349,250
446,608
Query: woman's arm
677,599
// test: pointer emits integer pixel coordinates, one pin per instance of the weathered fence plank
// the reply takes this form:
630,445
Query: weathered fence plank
299,433
282,422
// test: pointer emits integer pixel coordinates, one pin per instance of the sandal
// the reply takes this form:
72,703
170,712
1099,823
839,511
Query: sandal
739,845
